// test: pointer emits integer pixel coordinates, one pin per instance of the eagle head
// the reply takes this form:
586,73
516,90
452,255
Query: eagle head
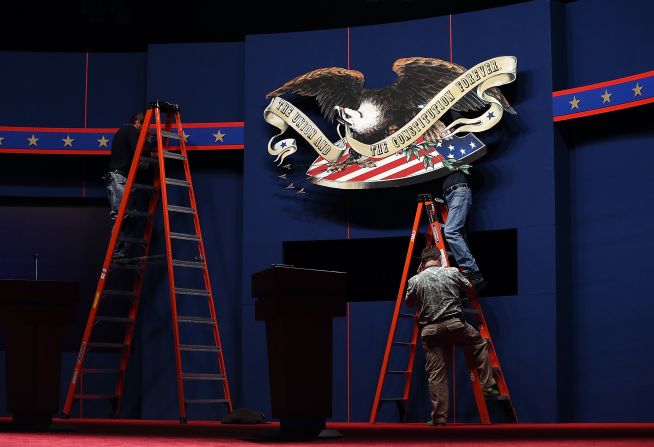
366,119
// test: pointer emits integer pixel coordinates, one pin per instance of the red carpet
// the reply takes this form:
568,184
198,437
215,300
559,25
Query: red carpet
115,433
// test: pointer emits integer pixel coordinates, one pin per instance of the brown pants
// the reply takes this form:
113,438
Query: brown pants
438,337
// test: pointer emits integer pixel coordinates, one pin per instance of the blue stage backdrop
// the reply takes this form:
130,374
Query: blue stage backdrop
572,340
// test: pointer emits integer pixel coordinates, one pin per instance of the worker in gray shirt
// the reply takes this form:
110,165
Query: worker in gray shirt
437,292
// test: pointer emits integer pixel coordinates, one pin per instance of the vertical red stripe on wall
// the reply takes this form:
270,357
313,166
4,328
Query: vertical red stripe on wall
451,51
86,87
347,317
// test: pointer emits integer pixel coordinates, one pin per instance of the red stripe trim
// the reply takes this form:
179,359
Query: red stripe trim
215,148
603,110
53,152
112,129
603,84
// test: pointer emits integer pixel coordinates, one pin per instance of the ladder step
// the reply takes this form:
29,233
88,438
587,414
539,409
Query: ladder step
166,134
393,399
408,315
199,348
176,182
182,291
184,236
115,319
201,320
108,292
471,311
206,401
138,213
100,371
403,343
95,396
132,240
202,376
191,264
181,209
142,186
175,155
397,372
107,345
149,159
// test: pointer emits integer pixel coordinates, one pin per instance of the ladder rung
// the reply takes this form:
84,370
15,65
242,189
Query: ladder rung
201,320
393,399
142,186
471,311
191,264
202,376
166,134
115,319
397,372
100,371
403,343
184,236
138,213
107,345
129,293
408,315
175,155
149,159
132,240
176,182
122,264
95,396
206,401
181,209
199,348
182,291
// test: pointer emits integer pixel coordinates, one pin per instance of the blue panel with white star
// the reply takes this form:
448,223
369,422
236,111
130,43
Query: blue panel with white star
604,97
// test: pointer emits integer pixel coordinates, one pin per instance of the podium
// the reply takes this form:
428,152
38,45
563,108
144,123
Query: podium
298,306
33,315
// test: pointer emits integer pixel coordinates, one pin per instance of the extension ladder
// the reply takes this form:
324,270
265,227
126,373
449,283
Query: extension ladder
435,237
111,322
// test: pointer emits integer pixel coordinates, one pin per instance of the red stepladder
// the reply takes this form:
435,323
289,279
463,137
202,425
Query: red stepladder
408,346
110,326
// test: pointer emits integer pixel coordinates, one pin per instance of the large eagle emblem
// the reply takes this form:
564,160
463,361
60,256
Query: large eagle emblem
371,115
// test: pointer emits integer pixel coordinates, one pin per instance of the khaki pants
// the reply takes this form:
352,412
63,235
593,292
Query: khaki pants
437,339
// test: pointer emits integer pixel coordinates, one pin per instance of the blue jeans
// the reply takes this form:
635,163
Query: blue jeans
115,188
458,202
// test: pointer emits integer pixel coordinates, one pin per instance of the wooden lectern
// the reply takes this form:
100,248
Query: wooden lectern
33,315
298,306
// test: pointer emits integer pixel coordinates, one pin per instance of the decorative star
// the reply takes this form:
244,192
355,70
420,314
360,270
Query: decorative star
439,144
473,145
103,142
283,145
33,140
574,104
185,136
219,136
606,97
638,90
450,147
450,156
68,141
1,138
463,151
490,115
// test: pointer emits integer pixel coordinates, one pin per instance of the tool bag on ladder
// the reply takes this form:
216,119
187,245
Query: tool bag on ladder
100,370
399,355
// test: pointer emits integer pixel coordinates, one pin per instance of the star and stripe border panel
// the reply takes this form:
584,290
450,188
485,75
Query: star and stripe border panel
603,97
97,141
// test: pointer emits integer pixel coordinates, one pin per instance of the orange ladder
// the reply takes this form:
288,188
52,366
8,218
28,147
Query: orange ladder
110,325
434,237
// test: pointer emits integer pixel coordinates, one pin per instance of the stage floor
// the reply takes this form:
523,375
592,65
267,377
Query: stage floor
136,433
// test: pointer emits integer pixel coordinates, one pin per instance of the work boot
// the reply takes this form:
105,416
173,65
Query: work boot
478,281
491,393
